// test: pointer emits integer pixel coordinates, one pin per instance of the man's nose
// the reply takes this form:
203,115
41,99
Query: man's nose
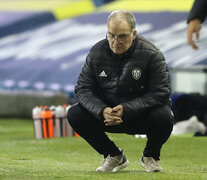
116,40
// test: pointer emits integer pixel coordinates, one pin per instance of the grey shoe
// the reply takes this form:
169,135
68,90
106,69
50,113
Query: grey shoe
150,164
113,164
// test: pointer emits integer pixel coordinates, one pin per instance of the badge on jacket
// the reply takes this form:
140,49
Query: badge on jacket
136,73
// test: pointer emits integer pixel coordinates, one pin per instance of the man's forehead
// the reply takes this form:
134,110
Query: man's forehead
118,25
118,20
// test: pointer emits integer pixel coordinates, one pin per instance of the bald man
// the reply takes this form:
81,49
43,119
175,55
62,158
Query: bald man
124,87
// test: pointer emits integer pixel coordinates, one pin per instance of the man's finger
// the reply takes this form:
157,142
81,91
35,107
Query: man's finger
107,110
116,114
112,119
197,35
112,123
191,42
118,108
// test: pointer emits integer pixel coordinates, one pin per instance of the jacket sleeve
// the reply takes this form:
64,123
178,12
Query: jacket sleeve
86,89
198,10
158,92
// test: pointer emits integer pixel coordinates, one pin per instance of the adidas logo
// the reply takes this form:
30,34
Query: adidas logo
103,74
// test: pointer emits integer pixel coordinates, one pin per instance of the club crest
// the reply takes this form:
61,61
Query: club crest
136,73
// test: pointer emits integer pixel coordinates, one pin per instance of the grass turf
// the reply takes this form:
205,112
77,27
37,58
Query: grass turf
24,157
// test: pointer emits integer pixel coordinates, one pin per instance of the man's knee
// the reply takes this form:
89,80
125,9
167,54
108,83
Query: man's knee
162,115
74,115
160,122
79,118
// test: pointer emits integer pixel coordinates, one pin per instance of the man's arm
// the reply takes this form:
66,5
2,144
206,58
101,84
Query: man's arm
198,11
196,17
158,90
86,90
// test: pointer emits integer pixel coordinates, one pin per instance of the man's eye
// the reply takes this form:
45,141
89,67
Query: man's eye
123,36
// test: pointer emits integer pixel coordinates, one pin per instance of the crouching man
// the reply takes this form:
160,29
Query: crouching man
124,87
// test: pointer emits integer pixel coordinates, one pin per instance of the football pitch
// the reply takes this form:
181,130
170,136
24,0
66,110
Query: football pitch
24,157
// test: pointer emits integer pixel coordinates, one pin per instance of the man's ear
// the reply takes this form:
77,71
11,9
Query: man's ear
134,34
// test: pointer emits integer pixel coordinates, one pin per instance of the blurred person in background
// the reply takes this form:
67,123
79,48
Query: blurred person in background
101,2
124,87
196,17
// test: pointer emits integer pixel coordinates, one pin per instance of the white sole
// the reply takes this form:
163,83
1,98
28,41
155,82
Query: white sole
143,165
122,166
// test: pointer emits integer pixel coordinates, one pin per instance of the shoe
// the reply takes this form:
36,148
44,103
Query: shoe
150,164
113,164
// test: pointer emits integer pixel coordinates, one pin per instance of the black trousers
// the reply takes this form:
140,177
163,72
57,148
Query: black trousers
156,124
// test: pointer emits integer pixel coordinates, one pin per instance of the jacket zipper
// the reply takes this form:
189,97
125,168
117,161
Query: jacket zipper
119,75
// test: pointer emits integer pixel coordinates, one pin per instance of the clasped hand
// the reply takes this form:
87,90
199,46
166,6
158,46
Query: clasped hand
113,116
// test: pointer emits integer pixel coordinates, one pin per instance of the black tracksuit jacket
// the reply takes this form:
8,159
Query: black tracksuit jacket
138,79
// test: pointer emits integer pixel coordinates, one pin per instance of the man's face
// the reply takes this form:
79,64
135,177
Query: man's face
120,35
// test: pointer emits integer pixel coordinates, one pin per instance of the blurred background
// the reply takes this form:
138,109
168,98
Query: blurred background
43,45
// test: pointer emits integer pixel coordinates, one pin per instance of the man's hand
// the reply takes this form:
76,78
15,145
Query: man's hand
118,110
113,116
194,27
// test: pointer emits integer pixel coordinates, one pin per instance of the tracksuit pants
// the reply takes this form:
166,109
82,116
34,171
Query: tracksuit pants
157,124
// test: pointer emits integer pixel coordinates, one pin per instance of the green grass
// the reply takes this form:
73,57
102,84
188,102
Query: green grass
24,157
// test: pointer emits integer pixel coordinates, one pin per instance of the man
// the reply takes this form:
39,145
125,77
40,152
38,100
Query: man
196,17
124,87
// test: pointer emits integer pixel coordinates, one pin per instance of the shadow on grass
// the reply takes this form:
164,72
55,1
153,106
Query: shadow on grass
131,172
118,172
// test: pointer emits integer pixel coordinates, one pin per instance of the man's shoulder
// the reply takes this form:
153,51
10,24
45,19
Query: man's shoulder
100,45
145,44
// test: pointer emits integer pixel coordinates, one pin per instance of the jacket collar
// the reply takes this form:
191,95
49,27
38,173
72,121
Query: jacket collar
127,53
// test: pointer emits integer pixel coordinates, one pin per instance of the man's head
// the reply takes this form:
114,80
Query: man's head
121,31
